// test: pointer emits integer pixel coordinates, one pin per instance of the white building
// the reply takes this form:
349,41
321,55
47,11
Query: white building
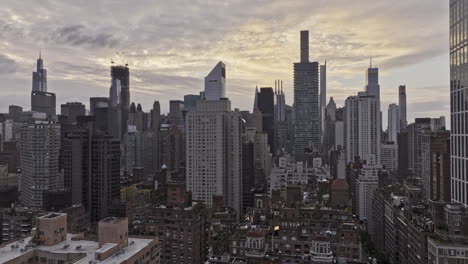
366,184
215,83
363,127
393,122
389,156
214,153
288,172
40,145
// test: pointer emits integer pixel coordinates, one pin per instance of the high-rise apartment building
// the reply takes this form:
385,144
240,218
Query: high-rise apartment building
362,127
458,104
92,168
306,102
215,83
402,105
366,185
40,146
214,153
393,122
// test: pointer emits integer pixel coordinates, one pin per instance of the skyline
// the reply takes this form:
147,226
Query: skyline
258,46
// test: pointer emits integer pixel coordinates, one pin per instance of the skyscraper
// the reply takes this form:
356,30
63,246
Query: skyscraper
306,102
393,122
402,105
40,146
323,95
362,127
41,100
122,73
114,93
39,80
281,125
458,105
266,104
215,82
214,153
372,81
155,125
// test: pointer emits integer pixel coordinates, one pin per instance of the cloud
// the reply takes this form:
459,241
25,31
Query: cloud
7,65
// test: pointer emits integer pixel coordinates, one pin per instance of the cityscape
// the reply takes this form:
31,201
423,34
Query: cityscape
281,163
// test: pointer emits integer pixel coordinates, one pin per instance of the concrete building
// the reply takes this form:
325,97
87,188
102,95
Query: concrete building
458,105
40,146
389,156
17,223
393,122
306,102
214,153
366,184
133,152
339,194
435,165
215,83
280,122
54,245
362,125
172,147
176,112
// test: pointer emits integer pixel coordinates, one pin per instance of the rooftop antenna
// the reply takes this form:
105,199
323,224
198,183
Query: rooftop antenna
370,62
40,51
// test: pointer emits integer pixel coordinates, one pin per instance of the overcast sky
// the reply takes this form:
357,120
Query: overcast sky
171,45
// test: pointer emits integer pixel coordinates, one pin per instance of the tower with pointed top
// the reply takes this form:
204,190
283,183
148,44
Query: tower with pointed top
39,80
281,125
215,82
306,102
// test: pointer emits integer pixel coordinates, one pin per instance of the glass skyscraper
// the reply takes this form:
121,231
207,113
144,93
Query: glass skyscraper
459,99
306,102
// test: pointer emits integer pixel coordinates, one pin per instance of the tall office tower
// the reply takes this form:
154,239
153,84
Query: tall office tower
402,105
114,93
266,104
248,175
435,163
122,73
39,77
40,146
416,132
72,111
136,117
362,127
393,122
306,102
43,102
214,153
458,105
323,95
92,168
132,149
155,124
172,147
97,102
215,83
281,125
190,102
366,184
176,112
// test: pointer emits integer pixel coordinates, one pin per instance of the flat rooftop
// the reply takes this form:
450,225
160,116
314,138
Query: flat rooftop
112,219
84,248
52,215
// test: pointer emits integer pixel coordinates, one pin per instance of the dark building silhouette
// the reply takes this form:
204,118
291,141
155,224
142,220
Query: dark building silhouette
266,104
72,110
97,102
122,73
92,168
43,102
